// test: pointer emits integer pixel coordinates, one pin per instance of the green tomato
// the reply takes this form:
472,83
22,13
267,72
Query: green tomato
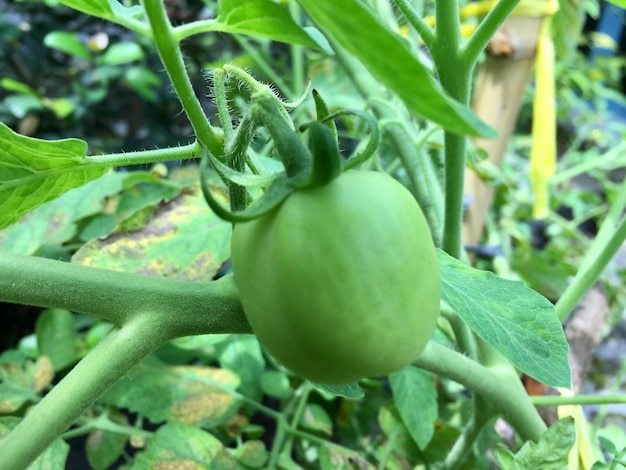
342,281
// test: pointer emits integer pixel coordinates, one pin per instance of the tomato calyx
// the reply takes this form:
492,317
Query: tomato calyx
304,167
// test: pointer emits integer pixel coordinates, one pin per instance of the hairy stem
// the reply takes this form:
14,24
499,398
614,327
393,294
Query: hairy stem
184,308
503,390
115,355
183,152
169,51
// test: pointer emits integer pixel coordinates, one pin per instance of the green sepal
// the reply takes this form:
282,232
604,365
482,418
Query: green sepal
280,188
323,113
239,177
326,158
372,143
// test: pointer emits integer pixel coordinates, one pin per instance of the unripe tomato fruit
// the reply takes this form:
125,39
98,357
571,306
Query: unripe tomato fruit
342,281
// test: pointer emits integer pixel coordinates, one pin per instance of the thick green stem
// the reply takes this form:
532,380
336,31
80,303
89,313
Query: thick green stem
168,48
183,308
149,310
114,356
454,75
504,390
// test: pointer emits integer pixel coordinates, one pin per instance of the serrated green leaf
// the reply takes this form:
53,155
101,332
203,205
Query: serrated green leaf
253,454
195,395
22,380
99,8
34,171
552,450
517,321
57,337
106,9
276,384
504,459
352,391
103,448
315,418
385,55
263,18
67,43
183,240
181,446
54,222
242,354
416,400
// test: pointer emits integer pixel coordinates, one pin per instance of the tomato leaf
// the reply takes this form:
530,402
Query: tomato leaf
352,391
242,355
521,324
385,54
416,400
34,171
178,445
181,240
195,394
263,18
57,337
105,9
550,453
55,222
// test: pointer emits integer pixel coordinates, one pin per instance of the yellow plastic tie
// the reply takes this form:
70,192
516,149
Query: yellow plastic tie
582,455
543,148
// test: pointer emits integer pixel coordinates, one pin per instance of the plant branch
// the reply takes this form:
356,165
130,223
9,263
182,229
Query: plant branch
115,355
183,152
168,48
502,388
447,27
183,308
416,21
557,400
589,273
486,29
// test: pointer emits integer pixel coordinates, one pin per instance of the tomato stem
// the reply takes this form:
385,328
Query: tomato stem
167,46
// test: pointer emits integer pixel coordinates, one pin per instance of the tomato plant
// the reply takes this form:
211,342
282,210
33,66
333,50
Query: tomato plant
334,264
315,277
